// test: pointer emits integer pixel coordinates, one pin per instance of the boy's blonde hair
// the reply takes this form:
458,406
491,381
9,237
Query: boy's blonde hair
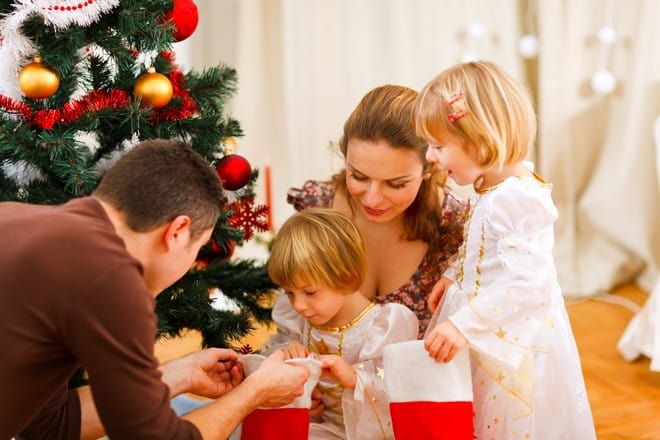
321,247
481,105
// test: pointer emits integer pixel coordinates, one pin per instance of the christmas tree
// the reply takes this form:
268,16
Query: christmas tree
80,83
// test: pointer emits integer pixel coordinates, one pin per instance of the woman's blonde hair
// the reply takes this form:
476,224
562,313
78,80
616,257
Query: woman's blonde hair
385,113
321,247
481,105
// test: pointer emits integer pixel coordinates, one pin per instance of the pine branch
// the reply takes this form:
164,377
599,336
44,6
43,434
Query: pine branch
98,66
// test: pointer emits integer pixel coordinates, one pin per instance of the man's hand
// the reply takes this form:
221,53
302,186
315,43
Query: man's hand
278,383
209,373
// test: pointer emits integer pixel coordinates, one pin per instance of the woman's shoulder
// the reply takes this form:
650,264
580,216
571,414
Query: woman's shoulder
312,193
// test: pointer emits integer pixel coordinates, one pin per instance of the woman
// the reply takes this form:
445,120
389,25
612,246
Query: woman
411,222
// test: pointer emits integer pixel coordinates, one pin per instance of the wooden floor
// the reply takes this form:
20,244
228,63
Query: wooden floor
625,397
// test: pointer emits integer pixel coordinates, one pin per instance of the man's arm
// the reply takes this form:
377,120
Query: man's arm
210,373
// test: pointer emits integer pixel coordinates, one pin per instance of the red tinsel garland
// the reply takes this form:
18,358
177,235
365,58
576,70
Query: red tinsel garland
12,106
98,100
72,111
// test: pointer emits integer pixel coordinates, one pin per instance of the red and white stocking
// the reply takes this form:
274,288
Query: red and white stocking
428,399
290,422
276,424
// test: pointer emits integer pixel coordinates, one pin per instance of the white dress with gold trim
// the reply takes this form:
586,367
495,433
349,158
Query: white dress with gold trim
506,300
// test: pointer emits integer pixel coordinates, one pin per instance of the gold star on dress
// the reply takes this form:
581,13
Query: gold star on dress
321,348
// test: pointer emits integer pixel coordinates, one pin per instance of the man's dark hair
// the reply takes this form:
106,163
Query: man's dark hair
160,179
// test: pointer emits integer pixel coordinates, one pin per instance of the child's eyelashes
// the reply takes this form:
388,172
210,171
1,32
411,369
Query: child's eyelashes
290,293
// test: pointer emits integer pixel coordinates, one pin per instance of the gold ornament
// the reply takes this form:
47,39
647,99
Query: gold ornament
153,88
38,81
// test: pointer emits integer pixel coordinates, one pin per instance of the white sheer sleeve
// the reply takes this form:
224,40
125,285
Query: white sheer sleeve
366,408
513,298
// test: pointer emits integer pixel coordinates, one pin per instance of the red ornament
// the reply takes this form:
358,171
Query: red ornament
223,252
234,171
184,17
214,252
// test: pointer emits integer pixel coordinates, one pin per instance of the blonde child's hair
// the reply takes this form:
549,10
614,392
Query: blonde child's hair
319,247
482,106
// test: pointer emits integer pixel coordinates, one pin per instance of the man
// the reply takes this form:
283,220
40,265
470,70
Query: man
77,288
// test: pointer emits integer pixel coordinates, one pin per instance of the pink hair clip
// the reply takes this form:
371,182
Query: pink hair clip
458,114
453,98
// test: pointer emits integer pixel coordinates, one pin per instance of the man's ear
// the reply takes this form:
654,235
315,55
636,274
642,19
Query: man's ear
177,229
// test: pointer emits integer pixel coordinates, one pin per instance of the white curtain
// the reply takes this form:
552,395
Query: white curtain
304,64
598,150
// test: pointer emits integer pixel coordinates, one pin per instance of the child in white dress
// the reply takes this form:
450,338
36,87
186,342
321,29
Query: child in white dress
319,259
501,296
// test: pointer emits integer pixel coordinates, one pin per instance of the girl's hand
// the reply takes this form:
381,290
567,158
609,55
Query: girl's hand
438,291
294,350
444,341
334,365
